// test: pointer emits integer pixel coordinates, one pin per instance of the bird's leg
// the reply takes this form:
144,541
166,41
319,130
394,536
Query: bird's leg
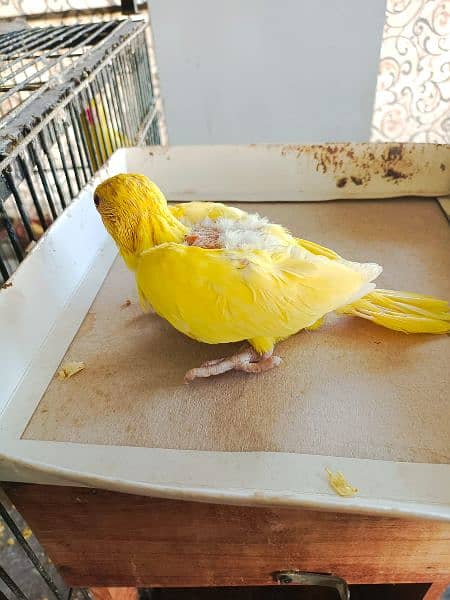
247,360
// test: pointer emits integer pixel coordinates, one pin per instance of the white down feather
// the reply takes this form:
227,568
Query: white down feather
249,232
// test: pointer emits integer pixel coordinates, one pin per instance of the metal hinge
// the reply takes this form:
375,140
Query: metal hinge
319,579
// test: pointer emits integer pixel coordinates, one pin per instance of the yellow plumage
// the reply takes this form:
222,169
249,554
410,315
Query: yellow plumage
401,311
100,137
218,296
253,281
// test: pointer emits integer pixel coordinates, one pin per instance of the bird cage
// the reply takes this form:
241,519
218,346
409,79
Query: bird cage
69,97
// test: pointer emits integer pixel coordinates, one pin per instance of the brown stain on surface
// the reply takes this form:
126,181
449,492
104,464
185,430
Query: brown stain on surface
389,161
395,153
394,174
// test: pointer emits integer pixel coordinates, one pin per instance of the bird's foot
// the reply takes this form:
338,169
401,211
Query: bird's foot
247,360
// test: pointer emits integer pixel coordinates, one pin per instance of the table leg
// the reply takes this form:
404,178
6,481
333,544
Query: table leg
436,590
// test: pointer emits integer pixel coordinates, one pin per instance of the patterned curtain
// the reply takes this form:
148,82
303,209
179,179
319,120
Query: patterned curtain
413,91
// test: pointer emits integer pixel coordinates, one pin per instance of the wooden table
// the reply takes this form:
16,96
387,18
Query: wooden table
103,539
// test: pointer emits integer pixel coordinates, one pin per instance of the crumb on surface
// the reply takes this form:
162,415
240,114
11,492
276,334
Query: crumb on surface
10,541
340,485
69,369
126,303
27,533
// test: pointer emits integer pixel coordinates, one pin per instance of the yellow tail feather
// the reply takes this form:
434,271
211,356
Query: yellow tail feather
402,311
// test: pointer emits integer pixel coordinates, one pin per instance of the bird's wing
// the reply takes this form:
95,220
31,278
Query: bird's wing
317,249
191,213
218,296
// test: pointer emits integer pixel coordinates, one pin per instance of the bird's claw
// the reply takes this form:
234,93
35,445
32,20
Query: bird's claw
247,360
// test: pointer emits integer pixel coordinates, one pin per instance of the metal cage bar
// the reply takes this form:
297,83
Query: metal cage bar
15,589
29,551
87,91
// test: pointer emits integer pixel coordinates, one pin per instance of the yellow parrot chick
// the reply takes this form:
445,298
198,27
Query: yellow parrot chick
221,275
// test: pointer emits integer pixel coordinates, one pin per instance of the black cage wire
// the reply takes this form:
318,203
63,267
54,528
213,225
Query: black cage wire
69,96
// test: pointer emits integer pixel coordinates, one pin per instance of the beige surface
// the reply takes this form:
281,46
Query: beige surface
350,389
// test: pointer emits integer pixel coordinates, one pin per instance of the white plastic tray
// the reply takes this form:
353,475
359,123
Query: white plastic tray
54,287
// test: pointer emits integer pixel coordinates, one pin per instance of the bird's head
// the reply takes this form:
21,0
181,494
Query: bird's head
135,213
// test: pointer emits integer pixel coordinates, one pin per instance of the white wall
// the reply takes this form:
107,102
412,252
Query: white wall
238,71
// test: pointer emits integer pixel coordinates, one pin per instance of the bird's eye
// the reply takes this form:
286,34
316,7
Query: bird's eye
96,200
